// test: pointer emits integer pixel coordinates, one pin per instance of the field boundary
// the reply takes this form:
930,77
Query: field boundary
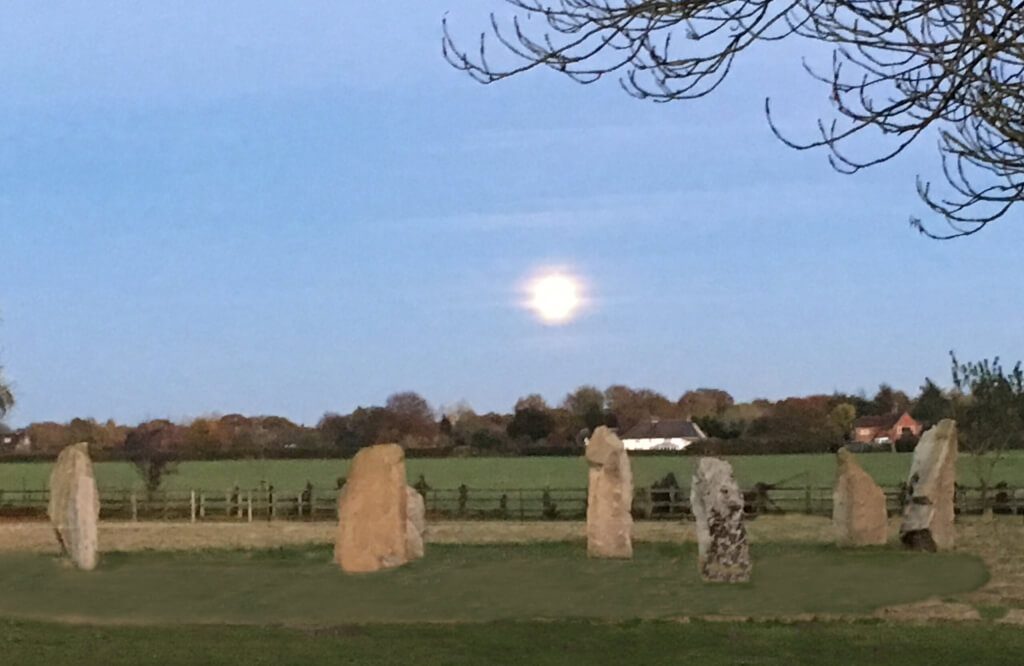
266,503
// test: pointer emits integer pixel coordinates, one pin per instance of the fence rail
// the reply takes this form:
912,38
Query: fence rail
463,503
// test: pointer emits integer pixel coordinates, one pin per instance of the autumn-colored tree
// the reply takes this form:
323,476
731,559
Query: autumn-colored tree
704,402
206,437
413,419
370,425
633,406
484,433
532,419
532,401
333,428
797,419
48,436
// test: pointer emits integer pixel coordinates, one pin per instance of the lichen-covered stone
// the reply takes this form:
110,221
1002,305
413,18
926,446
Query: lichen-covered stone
858,505
609,497
415,524
74,506
372,512
929,512
717,503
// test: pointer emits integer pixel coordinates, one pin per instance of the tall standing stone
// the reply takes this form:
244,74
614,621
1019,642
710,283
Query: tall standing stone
609,497
416,522
74,507
928,514
858,505
717,503
372,512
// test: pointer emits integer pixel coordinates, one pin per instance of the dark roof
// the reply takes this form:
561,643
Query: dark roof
879,421
663,430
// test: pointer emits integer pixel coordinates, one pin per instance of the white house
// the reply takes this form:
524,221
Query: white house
17,441
659,435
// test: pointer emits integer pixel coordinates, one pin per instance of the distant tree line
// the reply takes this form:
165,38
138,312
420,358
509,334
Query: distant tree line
816,423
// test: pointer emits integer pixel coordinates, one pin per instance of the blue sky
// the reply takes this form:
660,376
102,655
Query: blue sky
275,209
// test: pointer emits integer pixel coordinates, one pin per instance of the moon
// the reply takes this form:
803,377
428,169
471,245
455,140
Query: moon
555,298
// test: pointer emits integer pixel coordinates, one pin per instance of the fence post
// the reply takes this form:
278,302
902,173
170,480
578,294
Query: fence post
202,505
135,507
191,506
248,498
298,503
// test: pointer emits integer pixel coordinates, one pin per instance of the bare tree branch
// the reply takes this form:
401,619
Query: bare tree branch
899,68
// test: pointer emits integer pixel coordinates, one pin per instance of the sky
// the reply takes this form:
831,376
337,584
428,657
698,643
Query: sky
294,208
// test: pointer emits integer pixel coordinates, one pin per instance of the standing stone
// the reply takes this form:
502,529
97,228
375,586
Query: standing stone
609,497
858,505
372,512
74,506
415,524
723,553
928,514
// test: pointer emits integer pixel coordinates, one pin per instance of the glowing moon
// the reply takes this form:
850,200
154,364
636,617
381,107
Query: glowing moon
555,298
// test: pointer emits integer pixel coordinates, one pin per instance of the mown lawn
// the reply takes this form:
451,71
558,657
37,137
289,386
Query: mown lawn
461,583
560,643
502,473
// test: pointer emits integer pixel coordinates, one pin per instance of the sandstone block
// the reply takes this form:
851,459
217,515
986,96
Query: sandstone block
609,497
858,505
372,512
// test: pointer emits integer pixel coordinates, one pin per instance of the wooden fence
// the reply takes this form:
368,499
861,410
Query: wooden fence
461,503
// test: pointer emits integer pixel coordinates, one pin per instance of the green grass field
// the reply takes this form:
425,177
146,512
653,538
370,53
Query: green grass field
542,604
559,643
502,473
459,583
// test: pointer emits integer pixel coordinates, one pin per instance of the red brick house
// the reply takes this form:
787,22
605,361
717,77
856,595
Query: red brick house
885,428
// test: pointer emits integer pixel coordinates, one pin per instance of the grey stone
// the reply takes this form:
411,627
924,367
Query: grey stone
928,515
723,552
415,524
74,507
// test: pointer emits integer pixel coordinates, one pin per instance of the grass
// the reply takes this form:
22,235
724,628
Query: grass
542,604
538,644
502,473
300,586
